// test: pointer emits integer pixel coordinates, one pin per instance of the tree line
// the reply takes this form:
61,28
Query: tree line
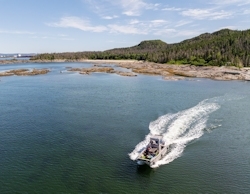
222,48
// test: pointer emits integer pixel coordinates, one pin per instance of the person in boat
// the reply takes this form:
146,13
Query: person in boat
154,142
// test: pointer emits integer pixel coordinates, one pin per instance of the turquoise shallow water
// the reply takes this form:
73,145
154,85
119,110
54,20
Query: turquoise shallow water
70,133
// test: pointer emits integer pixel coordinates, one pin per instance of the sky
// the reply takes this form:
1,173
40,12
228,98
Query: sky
48,26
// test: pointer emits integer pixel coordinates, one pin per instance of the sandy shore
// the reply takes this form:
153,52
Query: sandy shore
167,71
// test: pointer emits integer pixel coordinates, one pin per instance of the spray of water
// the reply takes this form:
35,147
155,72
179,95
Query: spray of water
178,129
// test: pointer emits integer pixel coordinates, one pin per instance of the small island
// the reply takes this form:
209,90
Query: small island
100,69
24,72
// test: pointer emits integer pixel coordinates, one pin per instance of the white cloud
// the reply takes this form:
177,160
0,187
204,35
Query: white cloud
245,21
78,23
167,31
69,39
188,33
172,9
157,23
16,32
231,2
130,27
84,25
208,14
110,17
96,6
125,7
172,33
139,27
62,35
135,7
246,12
151,23
182,23
125,29
134,21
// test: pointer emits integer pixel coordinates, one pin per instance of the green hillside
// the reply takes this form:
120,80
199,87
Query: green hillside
224,47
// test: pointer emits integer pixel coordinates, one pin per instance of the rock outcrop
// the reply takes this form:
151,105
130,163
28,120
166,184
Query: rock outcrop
101,69
24,72
168,71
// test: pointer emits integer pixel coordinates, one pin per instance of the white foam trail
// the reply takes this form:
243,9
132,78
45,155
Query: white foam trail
178,129
159,125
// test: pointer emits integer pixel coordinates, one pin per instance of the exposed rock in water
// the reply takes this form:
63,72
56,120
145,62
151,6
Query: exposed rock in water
24,72
6,74
93,69
123,73
84,73
13,61
173,78
149,71
102,69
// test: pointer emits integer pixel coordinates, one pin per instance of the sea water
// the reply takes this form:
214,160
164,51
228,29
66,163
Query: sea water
69,133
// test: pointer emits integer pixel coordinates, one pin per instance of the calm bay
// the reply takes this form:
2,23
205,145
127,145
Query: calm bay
69,133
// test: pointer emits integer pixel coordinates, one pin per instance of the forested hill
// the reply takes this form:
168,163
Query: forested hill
224,47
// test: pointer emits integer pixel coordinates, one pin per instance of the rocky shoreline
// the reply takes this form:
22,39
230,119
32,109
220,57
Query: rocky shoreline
167,71
179,72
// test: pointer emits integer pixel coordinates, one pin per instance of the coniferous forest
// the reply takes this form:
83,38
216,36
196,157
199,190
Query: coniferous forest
222,48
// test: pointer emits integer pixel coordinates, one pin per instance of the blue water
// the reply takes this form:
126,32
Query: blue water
69,133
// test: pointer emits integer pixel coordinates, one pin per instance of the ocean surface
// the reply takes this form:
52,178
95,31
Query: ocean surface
69,133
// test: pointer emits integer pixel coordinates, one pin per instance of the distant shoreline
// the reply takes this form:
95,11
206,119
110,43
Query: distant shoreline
167,71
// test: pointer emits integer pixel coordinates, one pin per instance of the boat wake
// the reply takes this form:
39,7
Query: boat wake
178,129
